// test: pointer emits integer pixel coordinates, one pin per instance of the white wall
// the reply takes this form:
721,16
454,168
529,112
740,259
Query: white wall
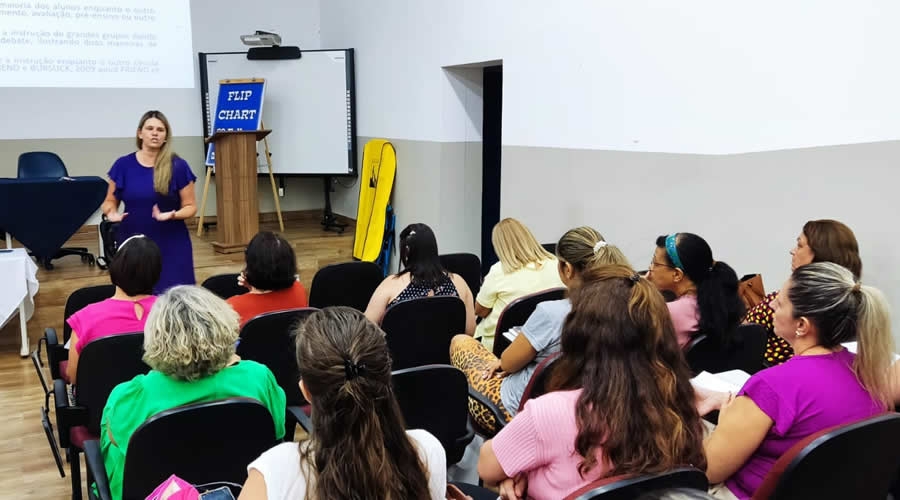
699,77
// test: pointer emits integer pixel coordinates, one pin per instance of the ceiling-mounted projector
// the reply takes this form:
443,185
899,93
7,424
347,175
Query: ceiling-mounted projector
262,39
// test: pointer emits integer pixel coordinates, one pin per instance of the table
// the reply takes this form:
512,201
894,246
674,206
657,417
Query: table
20,285
43,213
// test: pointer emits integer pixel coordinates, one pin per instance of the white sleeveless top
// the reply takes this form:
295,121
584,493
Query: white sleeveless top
285,480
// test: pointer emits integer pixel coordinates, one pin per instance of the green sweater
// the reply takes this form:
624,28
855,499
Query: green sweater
131,403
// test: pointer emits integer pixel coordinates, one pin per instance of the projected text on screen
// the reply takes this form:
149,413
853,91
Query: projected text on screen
96,43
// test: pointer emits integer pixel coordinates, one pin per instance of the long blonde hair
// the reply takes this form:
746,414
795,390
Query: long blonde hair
516,247
162,169
842,309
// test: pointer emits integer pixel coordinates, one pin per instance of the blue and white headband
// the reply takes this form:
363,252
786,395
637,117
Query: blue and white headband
672,251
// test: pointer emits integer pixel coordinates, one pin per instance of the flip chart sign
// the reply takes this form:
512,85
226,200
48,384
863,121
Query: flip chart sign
239,107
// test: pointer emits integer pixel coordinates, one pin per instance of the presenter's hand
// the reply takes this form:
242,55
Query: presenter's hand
162,216
116,216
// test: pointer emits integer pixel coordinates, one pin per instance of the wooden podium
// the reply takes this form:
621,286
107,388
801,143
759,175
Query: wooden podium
237,209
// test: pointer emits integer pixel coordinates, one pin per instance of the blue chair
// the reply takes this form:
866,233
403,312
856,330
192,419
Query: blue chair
43,164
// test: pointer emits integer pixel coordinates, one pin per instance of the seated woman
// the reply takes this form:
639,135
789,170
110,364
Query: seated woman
271,276
819,241
422,276
503,380
623,402
823,385
524,268
134,271
359,442
189,342
706,290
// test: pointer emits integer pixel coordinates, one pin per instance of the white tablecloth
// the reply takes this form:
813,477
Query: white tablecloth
18,275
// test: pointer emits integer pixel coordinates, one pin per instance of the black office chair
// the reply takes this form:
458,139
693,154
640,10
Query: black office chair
467,266
419,331
867,452
57,354
224,285
348,284
744,352
631,486
103,364
435,398
517,312
550,247
269,339
201,443
42,164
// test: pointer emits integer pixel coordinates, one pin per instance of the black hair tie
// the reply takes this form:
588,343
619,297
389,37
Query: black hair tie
634,278
353,370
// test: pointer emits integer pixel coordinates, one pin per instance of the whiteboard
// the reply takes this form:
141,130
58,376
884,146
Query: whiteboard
308,106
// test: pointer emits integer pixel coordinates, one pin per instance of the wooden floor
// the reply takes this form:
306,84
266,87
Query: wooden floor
27,469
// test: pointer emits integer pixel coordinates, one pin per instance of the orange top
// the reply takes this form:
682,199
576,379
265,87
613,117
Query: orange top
250,305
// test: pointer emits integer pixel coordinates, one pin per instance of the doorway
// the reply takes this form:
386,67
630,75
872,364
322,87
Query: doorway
490,160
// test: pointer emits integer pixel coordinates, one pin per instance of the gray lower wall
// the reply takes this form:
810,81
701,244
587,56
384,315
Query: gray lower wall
95,156
749,207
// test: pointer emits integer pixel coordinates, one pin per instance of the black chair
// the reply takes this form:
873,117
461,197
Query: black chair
419,330
537,386
103,364
631,486
435,398
201,443
467,266
269,339
41,164
550,247
517,312
866,450
224,285
744,352
57,354
348,284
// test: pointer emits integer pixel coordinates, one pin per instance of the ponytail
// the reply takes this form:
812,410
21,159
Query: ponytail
719,304
842,310
875,344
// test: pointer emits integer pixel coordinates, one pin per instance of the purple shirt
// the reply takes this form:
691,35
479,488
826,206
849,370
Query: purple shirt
803,396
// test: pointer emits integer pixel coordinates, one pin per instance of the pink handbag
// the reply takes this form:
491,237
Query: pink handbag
174,488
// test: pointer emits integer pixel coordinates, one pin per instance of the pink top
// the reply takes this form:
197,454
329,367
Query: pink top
540,441
685,318
108,317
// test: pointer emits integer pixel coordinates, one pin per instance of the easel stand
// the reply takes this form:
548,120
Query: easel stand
329,221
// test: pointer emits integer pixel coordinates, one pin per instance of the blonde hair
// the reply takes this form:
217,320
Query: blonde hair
842,309
516,247
584,248
190,333
162,169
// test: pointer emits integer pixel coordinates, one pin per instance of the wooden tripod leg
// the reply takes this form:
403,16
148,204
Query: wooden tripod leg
203,202
274,188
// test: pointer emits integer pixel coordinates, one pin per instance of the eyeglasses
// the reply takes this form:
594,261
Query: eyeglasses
653,264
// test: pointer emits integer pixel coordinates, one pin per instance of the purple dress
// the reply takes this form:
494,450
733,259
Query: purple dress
134,187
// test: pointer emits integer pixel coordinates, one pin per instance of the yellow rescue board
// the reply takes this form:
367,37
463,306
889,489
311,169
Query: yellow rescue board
379,164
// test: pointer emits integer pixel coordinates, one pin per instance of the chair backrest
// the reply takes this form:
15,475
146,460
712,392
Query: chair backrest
467,266
550,247
517,312
445,417
537,384
224,285
105,363
807,470
81,298
348,284
630,486
200,443
744,352
269,339
419,330
37,164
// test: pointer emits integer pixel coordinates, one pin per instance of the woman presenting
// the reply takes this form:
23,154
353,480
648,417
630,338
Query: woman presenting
158,190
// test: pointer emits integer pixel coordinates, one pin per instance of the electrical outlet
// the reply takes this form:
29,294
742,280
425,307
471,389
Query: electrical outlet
281,192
